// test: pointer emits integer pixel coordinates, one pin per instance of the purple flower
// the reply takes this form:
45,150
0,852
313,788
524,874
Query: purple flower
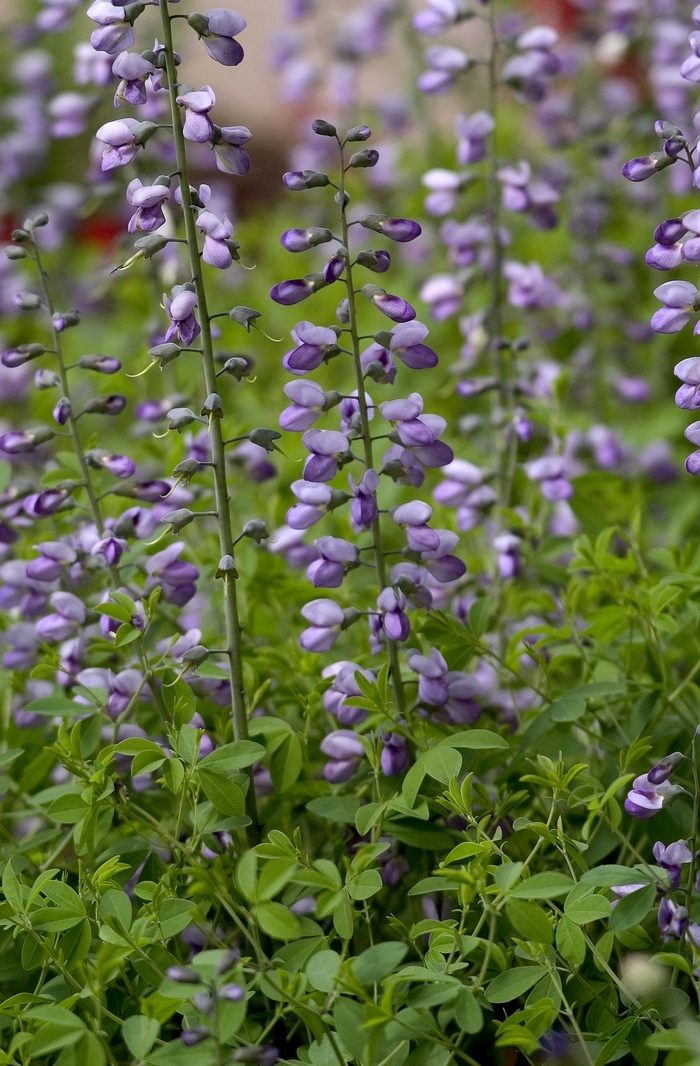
406,344
444,294
62,411
438,16
394,757
301,240
345,753
445,63
148,201
672,857
337,700
673,920
231,157
326,619
308,400
70,613
393,307
133,70
401,230
69,112
551,471
392,603
176,576
364,510
198,127
413,517
180,310
327,447
644,799
53,559
314,498
111,549
507,545
217,232
121,142
313,345
432,671
472,132
114,33
223,26
337,557
663,769
292,292
440,563
680,299
640,169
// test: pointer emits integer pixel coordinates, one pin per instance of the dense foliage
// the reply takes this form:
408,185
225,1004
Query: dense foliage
350,695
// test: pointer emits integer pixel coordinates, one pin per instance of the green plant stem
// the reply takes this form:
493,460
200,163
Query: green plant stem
379,561
223,504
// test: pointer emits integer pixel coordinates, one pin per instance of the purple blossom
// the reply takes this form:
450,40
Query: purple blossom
508,546
413,517
438,16
180,310
672,857
407,345
680,300
337,700
673,920
314,498
326,619
133,70
148,201
69,112
231,157
69,614
337,556
328,447
394,757
393,307
114,33
198,127
308,400
223,26
552,472
121,143
291,292
53,559
444,293
451,690
472,132
364,510
345,752
218,232
313,345
392,604
645,799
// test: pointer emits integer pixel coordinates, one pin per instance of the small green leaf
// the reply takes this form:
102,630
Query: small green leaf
589,909
529,921
377,962
543,886
571,943
278,922
287,763
479,616
225,794
322,970
53,706
513,983
140,1034
633,909
443,763
477,740
341,809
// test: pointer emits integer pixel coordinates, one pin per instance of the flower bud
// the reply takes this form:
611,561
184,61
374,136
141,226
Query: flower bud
27,301
25,440
62,411
664,768
194,1036
227,567
358,133
21,355
40,219
203,1002
14,253
323,128
338,498
187,469
232,993
350,616
19,236
264,438
213,408
369,157
46,379
237,367
244,316
106,405
179,417
151,243
183,975
195,656
378,261
199,23
257,530
298,180
179,518
101,364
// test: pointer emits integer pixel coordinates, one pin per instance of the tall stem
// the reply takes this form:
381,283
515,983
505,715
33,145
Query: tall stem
379,560
223,508
501,356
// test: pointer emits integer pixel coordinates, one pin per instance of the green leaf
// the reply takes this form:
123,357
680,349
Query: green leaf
567,709
278,922
377,962
175,915
116,904
669,958
589,909
322,970
468,1013
64,896
54,1036
12,888
137,746
530,921
443,763
6,757
341,809
633,909
275,876
607,876
176,1054
413,781
230,758
225,794
53,706
68,809
368,816
247,873
479,616
543,886
287,763
599,689
115,611
513,983
571,943
173,775
477,740
140,1034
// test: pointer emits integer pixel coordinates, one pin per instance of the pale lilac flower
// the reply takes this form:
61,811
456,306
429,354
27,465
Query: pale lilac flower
326,619
394,757
223,26
114,33
328,448
345,752
218,232
364,510
69,614
69,112
133,70
121,142
445,63
91,67
438,16
413,517
407,345
337,700
180,310
392,604
148,201
673,920
672,857
198,127
680,300
308,400
231,157
444,293
337,556
507,545
314,498
472,132
552,473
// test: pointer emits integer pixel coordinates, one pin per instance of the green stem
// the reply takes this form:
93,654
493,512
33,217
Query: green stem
223,503
379,561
